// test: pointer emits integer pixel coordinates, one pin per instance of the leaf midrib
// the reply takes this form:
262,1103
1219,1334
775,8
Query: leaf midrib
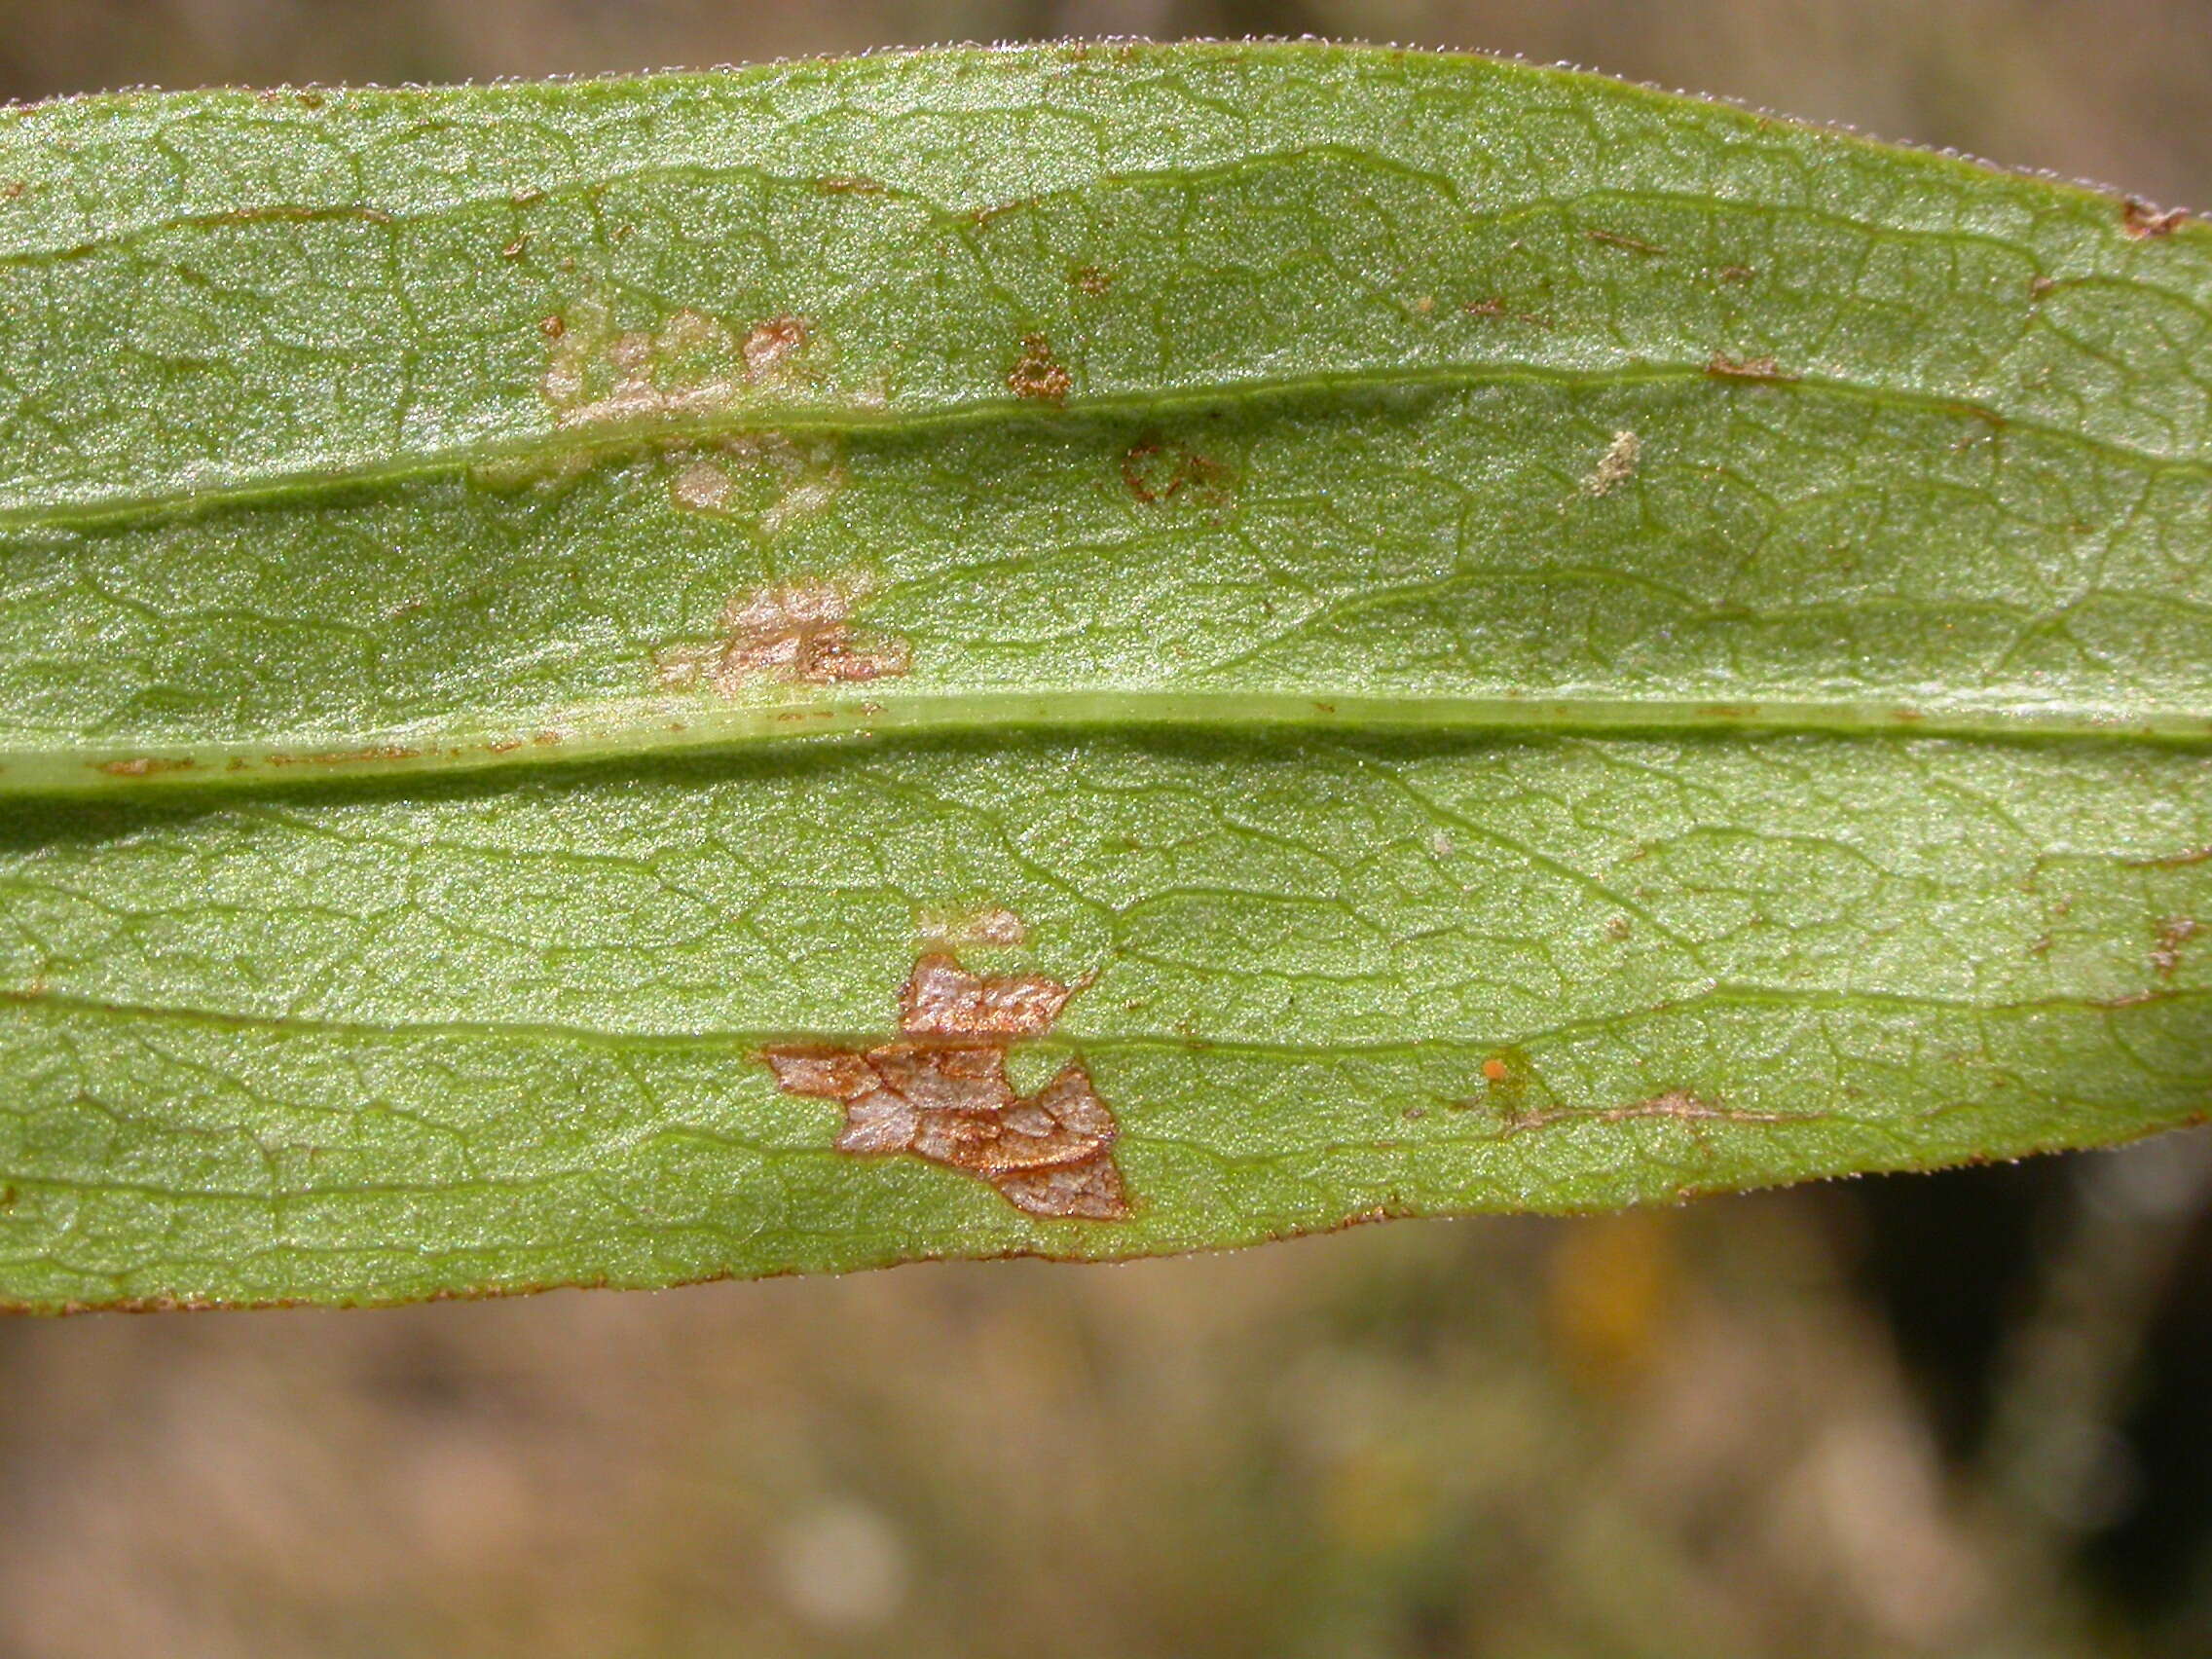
1716,995
677,729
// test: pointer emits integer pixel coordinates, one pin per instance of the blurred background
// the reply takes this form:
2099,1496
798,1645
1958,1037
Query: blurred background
1960,1414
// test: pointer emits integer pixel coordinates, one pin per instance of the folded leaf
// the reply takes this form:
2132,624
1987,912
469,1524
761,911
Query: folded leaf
1082,650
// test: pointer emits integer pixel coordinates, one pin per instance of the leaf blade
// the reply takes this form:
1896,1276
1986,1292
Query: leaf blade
1740,721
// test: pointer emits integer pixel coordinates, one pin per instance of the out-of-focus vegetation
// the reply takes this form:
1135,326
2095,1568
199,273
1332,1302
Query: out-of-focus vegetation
1955,1415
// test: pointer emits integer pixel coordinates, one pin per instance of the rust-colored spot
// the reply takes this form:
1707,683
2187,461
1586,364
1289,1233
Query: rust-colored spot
983,216
942,1093
2038,286
349,757
143,765
13,189
1091,280
771,344
1747,368
1154,470
797,632
1393,1209
1497,307
1633,244
2142,221
1618,465
1737,274
1495,1070
2165,955
1037,374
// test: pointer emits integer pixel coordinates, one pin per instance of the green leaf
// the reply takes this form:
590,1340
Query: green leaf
1172,645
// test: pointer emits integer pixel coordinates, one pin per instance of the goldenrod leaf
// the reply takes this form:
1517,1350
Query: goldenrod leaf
1079,649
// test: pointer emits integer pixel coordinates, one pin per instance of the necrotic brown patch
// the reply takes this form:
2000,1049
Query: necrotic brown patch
942,1092
800,633
2142,221
1038,375
1154,470
692,363
1747,368
701,487
1616,466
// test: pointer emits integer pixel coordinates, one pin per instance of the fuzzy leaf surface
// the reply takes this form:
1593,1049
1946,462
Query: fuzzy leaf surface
1494,640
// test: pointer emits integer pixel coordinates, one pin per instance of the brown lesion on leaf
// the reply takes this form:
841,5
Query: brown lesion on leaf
1091,280
1154,470
775,480
144,765
2172,860
769,346
800,633
942,1091
2143,221
372,755
1630,245
2174,932
690,363
1767,368
701,487
990,213
1497,307
1675,1106
1037,375
1618,465
942,999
